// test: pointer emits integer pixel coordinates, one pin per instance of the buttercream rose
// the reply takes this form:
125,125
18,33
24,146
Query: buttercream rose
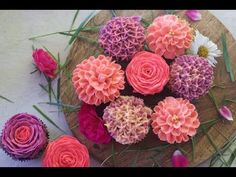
92,126
45,63
66,151
24,136
147,73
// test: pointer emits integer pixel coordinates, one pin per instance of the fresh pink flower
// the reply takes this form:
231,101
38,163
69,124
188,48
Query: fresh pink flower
226,113
45,63
92,126
193,15
179,160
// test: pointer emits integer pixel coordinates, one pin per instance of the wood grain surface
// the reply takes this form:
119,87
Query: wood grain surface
151,151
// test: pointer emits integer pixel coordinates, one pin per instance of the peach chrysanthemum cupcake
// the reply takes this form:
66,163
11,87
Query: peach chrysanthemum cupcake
174,120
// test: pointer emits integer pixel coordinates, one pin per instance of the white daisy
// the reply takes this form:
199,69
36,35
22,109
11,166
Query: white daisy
203,47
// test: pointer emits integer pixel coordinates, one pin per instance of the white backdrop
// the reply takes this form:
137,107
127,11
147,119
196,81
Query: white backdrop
16,82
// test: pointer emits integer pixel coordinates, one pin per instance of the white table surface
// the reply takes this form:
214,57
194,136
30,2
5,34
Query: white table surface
19,85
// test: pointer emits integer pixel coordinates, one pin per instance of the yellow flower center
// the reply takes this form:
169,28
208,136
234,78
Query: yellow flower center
203,51
175,119
171,32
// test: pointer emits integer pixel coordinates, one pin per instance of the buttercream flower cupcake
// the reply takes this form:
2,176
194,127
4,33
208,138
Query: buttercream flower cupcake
122,37
24,137
147,73
169,36
191,76
127,119
92,126
98,80
66,151
175,120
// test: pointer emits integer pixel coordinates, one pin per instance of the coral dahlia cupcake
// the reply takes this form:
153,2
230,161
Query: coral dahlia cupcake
24,137
147,73
98,80
169,36
127,119
174,120
122,37
66,151
191,76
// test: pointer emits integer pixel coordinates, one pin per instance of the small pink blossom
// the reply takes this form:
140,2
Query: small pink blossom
45,63
92,126
193,15
226,113
179,160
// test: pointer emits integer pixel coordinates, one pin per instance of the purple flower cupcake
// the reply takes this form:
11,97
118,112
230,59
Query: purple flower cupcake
24,136
122,37
191,76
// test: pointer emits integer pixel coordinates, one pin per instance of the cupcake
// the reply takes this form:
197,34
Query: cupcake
66,151
169,36
191,76
175,120
24,137
127,119
147,73
98,80
122,37
92,126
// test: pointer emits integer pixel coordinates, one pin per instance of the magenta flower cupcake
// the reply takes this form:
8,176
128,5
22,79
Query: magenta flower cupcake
122,37
24,137
191,76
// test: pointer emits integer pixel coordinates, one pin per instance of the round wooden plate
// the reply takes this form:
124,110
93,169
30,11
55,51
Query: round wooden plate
156,152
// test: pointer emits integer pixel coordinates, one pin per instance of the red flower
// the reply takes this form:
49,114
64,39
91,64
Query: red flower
92,126
45,63
179,160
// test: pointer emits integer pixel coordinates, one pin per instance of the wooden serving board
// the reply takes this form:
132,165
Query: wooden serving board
209,26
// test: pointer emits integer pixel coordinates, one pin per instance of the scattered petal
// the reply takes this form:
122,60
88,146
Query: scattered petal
193,15
179,160
226,113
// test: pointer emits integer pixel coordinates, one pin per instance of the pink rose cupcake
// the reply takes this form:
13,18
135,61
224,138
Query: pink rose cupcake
147,73
174,120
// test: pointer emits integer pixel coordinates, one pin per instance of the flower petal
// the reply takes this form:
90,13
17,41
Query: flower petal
179,160
193,15
226,113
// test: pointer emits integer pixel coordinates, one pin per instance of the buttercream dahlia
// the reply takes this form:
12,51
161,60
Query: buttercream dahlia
147,73
191,76
92,126
98,80
66,151
174,120
169,36
122,37
127,119
24,137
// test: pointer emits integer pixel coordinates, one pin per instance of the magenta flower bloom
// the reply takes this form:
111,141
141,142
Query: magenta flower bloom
92,126
193,15
24,137
226,113
179,160
45,63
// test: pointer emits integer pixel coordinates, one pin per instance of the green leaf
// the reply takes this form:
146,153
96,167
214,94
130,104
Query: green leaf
215,147
135,160
73,21
113,12
50,53
4,98
80,27
232,157
145,22
231,100
33,48
226,57
75,126
193,147
47,118
210,94
34,71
